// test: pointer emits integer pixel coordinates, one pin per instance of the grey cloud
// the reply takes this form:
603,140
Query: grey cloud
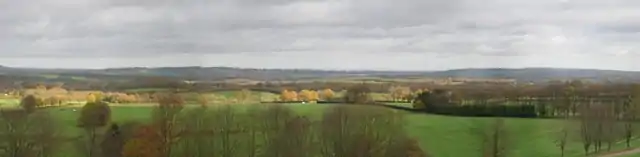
138,28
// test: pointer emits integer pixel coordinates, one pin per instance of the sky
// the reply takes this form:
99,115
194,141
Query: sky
321,34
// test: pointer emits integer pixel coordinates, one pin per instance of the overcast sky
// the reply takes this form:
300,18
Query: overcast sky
321,34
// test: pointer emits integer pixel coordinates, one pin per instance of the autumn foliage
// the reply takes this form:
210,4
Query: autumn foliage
327,94
308,95
288,95
146,142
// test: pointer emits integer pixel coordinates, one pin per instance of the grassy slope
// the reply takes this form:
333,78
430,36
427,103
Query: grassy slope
442,136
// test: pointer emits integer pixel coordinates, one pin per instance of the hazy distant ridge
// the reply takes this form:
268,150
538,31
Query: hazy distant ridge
214,73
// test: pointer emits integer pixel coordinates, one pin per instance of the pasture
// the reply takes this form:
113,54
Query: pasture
440,136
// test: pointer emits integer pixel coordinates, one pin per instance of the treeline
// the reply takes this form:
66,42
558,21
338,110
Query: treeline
554,101
486,111
261,131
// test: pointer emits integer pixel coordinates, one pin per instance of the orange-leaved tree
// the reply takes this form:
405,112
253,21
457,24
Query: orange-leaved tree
308,95
146,142
288,95
327,94
313,96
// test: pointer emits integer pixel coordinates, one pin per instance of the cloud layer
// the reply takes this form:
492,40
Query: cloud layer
351,34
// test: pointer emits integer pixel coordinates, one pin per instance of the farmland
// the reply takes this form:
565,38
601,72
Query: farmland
452,132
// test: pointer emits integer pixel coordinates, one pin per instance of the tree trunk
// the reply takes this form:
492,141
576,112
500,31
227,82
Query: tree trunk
92,141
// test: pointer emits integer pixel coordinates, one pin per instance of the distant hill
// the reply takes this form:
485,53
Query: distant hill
542,74
221,73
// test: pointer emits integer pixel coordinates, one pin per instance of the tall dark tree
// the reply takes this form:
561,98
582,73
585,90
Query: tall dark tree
93,116
358,94
437,97
29,103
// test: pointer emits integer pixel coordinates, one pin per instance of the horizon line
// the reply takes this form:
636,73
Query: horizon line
319,69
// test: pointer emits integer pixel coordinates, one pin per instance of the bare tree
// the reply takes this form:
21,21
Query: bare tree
13,132
25,134
45,134
587,125
225,127
165,118
630,114
274,119
197,132
359,131
294,140
563,136
609,125
254,115
358,94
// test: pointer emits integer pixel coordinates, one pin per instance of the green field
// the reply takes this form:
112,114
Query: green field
9,102
441,136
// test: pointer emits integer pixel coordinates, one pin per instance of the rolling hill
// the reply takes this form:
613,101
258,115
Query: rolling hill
222,73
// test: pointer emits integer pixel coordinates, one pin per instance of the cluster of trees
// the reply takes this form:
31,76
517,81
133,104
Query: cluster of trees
602,123
174,130
395,93
556,100
122,98
441,102
56,95
306,95
599,124
404,93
